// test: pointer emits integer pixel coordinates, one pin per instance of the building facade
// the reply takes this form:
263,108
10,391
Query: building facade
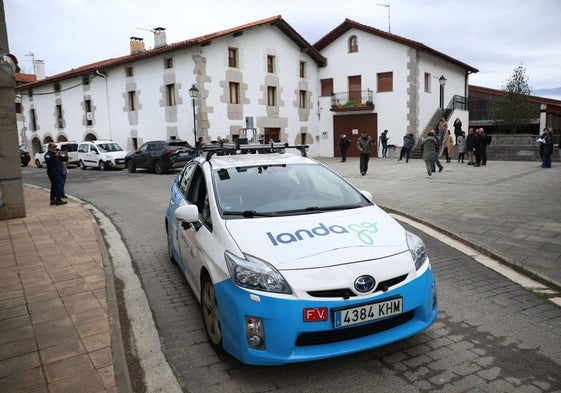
259,79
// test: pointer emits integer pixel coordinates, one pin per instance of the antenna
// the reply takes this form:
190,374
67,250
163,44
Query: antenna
389,18
142,28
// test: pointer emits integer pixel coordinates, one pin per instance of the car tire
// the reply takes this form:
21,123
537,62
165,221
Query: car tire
38,164
82,165
170,246
211,315
159,167
130,166
102,166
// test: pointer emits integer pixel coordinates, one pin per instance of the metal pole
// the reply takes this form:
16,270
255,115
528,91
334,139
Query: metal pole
194,123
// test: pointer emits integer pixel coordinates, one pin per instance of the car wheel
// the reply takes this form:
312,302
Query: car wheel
211,315
38,164
82,165
131,167
170,246
102,166
159,167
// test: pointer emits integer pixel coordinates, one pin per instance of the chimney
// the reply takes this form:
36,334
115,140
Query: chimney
39,68
137,45
159,37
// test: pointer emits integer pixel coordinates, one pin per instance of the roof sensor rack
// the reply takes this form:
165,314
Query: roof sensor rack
228,148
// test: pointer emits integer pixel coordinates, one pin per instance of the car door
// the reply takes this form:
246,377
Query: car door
141,157
196,241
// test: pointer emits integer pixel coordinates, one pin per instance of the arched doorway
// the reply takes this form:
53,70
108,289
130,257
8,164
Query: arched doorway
90,137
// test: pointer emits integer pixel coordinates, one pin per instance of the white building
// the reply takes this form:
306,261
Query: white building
261,78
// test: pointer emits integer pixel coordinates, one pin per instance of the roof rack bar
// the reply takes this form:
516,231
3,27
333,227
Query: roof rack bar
226,148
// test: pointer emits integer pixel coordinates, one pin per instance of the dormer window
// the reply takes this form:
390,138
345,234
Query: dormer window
353,44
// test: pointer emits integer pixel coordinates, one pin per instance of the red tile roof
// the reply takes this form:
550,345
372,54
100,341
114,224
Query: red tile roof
276,21
349,24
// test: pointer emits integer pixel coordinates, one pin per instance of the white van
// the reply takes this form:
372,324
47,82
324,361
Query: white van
102,154
69,147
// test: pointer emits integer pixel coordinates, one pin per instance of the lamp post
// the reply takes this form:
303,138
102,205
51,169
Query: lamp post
194,93
442,81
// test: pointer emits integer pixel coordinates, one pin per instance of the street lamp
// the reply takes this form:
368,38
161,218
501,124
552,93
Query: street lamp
442,81
194,93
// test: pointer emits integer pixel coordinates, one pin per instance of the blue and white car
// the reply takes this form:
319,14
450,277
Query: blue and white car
292,263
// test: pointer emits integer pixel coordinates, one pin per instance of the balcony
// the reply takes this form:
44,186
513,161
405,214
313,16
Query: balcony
352,101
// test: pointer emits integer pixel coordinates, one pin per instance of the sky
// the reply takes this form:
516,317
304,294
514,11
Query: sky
494,36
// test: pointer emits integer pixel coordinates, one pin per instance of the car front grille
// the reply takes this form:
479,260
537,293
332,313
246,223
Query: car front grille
332,336
347,293
119,161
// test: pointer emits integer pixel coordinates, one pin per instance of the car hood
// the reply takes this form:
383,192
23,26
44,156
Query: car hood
323,239
115,154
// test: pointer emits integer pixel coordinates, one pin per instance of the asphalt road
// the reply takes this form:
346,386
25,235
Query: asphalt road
491,335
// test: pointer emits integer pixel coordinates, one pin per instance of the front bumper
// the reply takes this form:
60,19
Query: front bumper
288,339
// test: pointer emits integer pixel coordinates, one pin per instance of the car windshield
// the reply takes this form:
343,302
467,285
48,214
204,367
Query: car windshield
109,147
282,190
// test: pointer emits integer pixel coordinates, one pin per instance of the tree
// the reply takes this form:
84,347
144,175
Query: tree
514,111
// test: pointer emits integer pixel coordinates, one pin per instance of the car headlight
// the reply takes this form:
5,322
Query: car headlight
253,273
417,249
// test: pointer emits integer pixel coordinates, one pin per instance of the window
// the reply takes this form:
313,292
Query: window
33,120
132,100
168,63
233,57
385,81
89,114
326,87
170,95
234,93
355,88
303,96
271,96
57,86
59,120
302,69
18,107
85,80
353,44
427,82
129,71
271,64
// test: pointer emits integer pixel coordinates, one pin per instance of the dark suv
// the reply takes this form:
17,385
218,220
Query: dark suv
160,156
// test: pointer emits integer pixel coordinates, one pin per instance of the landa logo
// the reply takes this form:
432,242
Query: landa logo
363,232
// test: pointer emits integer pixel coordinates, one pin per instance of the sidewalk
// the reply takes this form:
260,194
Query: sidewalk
57,328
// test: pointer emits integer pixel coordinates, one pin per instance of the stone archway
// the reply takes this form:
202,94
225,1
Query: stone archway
90,137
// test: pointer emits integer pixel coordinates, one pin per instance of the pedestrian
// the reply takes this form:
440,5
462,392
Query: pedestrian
442,128
447,148
470,146
457,128
408,143
461,143
56,170
541,141
436,161
486,142
64,153
428,147
384,141
344,144
364,145
547,149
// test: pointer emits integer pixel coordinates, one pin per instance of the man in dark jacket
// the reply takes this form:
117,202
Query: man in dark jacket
56,170
344,144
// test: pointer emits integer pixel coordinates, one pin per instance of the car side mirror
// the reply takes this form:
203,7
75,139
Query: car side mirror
188,215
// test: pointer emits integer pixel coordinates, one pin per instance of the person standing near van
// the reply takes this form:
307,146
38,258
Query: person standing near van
56,172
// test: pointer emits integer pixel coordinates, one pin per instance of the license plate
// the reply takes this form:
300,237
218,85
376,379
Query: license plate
367,313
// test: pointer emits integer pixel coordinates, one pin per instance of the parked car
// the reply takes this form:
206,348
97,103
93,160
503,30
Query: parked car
160,156
40,156
24,157
69,147
290,262
102,154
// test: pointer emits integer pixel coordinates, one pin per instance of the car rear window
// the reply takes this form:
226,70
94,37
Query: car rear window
69,146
